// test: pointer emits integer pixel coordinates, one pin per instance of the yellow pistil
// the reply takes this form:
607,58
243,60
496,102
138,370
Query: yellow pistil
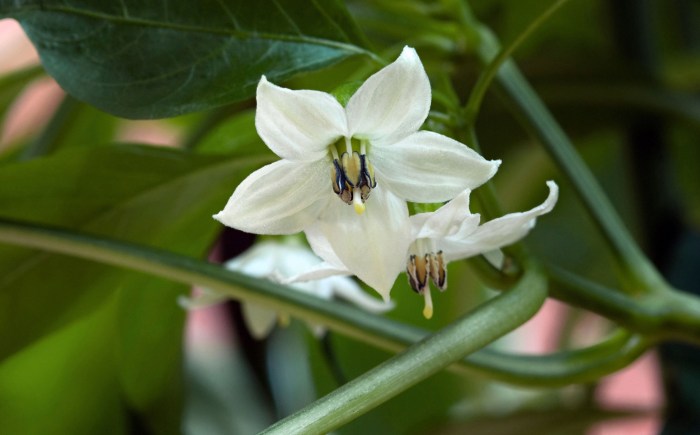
428,309
358,203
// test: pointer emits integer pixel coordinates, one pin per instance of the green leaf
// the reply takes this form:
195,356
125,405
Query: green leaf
155,196
65,383
167,57
159,197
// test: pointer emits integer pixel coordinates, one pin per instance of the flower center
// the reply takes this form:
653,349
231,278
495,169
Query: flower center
352,174
423,263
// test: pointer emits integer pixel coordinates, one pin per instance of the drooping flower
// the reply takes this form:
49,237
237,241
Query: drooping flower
450,233
278,261
453,233
346,172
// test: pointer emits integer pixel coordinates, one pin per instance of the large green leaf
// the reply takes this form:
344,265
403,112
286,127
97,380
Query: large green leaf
154,196
167,57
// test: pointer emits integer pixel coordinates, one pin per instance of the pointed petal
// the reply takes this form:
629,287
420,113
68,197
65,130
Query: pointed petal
320,271
322,247
392,103
446,221
281,198
348,289
373,245
430,167
298,125
258,319
498,232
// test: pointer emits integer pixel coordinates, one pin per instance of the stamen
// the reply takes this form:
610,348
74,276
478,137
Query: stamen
418,269
352,175
352,166
367,180
337,177
438,271
428,308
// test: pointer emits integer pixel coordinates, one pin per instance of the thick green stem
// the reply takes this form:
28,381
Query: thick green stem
527,106
452,343
671,314
371,329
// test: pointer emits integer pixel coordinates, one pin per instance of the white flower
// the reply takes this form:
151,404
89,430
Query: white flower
450,233
368,154
277,261
453,232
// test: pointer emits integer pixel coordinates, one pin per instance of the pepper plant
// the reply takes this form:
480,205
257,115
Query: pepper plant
395,140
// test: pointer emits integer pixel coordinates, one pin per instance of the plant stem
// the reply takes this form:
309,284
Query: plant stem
640,274
473,331
472,107
378,331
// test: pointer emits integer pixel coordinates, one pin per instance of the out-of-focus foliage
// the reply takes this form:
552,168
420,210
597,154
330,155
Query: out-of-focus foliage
88,348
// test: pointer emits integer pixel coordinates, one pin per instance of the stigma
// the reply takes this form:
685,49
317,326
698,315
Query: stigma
423,268
352,179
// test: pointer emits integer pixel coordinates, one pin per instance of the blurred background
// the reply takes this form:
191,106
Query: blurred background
621,77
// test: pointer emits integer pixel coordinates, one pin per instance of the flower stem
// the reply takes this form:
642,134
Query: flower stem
452,343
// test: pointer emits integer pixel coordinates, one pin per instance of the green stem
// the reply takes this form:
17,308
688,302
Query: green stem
568,367
641,274
473,106
379,331
669,315
452,343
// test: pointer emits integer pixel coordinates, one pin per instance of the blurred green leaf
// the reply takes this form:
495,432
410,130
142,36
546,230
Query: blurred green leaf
74,124
236,134
167,57
158,197
65,384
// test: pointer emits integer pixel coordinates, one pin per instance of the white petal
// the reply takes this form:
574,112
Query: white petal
259,320
495,257
430,167
320,271
322,247
280,198
347,289
498,232
372,245
392,103
446,221
298,125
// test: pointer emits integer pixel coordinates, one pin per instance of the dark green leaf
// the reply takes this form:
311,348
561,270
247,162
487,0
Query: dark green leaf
167,57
